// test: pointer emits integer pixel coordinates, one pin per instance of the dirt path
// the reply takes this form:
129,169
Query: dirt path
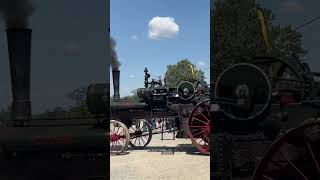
149,164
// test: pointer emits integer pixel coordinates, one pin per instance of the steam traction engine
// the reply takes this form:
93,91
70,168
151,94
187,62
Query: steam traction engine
54,146
266,126
187,105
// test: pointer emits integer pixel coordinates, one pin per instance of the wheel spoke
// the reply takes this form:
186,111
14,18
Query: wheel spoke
313,157
117,130
200,141
142,140
204,116
295,167
135,141
267,177
208,111
199,120
199,132
141,135
198,126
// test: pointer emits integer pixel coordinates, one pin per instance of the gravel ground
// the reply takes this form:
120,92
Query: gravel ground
149,164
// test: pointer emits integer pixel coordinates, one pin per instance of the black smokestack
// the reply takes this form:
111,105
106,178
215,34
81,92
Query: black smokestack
19,47
16,12
116,84
115,64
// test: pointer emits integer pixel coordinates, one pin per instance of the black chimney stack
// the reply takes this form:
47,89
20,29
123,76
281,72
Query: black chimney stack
116,84
19,47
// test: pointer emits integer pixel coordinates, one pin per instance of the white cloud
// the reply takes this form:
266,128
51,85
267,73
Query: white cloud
132,76
201,64
162,27
293,7
134,37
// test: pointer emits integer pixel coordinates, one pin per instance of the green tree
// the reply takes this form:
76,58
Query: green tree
78,96
182,71
236,32
134,97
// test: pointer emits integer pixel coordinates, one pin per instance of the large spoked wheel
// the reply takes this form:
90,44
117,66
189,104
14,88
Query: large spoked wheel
119,137
140,133
199,127
295,155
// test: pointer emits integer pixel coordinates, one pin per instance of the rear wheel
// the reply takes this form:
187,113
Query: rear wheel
295,155
199,127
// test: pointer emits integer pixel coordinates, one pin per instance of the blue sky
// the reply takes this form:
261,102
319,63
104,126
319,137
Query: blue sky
136,50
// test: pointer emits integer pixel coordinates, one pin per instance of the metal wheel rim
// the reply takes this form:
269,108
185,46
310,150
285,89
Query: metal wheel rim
312,156
143,139
202,129
119,137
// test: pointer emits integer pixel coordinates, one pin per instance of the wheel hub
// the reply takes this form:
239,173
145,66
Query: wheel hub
115,137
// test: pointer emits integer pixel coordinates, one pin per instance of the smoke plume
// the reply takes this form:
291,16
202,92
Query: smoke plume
16,12
115,64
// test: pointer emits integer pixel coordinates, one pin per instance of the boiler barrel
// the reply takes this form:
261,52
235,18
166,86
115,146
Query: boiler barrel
98,98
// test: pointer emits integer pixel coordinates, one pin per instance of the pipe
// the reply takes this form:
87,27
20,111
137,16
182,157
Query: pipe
116,84
19,48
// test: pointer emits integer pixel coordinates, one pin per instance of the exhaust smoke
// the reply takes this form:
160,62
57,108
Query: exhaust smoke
16,13
115,64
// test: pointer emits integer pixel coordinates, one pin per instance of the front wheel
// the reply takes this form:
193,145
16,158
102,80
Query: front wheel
119,137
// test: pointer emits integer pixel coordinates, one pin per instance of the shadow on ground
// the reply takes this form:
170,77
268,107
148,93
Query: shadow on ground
121,154
187,148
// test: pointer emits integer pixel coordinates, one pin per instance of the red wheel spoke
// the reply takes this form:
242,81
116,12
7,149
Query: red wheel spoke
117,130
299,159
114,128
122,139
121,132
199,132
204,117
208,111
267,177
199,120
200,141
295,167
198,129
313,157
198,126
